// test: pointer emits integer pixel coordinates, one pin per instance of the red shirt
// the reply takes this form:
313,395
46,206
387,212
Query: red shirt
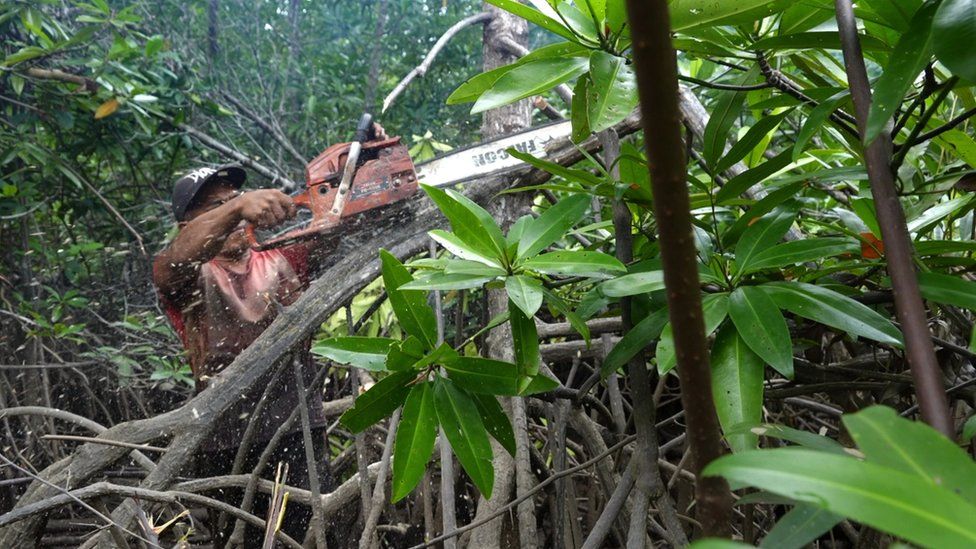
223,311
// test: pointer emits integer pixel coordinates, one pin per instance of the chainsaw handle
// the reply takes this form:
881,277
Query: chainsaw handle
364,130
301,200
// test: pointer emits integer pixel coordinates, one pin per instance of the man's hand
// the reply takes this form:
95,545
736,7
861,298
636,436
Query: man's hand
265,208
379,131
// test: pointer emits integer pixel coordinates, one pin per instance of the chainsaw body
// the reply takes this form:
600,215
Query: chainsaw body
384,174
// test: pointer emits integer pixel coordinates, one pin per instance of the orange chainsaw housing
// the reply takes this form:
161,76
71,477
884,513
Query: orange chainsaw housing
385,174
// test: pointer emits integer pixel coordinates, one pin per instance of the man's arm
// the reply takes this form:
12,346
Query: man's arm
202,238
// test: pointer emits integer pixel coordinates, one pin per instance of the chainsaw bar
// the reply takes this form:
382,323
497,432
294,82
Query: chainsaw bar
489,157
451,168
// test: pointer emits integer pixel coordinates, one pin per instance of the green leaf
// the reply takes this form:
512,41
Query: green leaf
368,353
552,224
411,308
762,326
24,54
802,525
968,430
516,231
525,338
763,234
463,266
717,543
154,45
444,354
878,496
534,16
561,307
525,292
496,422
935,214
948,290
580,176
906,61
745,180
953,36
715,307
828,40
403,355
484,375
458,415
472,89
723,116
613,93
575,263
636,339
692,14
816,122
833,309
897,14
756,133
802,251
737,386
803,438
537,384
470,222
913,448
379,401
441,281
634,284
414,440
528,80
454,245
578,110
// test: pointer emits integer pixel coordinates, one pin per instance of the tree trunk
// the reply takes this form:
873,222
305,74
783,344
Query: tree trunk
498,122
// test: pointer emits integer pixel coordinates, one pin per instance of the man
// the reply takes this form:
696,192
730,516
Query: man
220,295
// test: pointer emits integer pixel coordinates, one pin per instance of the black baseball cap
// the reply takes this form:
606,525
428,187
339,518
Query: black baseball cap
188,186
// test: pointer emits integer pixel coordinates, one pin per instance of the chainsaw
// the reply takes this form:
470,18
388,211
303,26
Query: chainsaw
348,179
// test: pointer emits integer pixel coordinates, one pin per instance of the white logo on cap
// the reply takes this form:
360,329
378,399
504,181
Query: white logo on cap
201,173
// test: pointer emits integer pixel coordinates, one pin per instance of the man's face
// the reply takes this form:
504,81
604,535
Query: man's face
210,198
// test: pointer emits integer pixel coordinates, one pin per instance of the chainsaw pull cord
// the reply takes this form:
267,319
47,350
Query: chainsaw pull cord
363,132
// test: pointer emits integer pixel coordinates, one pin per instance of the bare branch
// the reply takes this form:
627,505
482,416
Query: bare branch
422,68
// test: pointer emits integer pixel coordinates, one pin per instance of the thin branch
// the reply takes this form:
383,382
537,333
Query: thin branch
421,69
94,440
919,349
536,489
657,83
272,131
100,489
721,86
368,539
941,129
243,159
318,520
61,76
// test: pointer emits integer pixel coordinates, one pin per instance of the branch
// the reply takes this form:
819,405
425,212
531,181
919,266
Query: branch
536,489
910,310
657,83
273,132
55,74
421,69
100,489
245,160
